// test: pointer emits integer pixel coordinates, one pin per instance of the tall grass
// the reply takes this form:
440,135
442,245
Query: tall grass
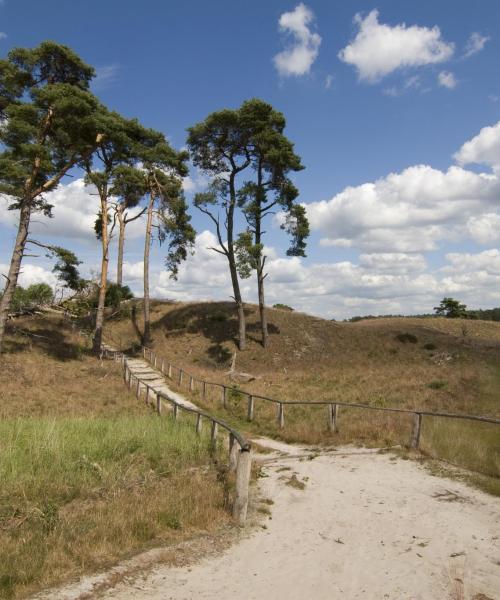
76,494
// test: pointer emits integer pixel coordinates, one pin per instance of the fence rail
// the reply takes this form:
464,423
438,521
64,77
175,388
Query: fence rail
240,459
168,368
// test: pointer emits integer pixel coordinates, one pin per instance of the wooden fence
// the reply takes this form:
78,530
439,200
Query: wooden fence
240,458
332,407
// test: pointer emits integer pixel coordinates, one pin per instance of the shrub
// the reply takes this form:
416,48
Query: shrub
437,385
430,346
281,306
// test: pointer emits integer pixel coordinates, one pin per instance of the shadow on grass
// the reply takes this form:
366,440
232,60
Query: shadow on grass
215,321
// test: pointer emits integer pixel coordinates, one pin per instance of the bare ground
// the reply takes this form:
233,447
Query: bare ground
350,524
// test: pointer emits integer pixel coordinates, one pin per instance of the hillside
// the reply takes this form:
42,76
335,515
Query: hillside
373,362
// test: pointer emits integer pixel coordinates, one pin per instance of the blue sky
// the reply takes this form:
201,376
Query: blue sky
401,84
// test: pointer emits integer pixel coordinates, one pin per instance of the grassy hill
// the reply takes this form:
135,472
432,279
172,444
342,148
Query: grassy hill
88,474
433,364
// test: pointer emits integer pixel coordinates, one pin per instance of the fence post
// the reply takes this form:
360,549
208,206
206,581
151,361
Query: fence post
176,411
158,404
138,392
180,377
191,383
281,415
233,453
162,368
169,371
243,470
415,434
144,352
333,413
224,396
204,387
213,434
146,401
155,360
199,424
250,408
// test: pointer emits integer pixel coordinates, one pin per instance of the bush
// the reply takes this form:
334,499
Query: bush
430,346
406,337
437,385
31,297
281,306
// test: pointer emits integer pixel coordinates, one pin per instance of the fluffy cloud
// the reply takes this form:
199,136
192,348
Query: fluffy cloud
447,80
3,35
484,148
75,206
31,274
475,44
299,56
379,49
409,211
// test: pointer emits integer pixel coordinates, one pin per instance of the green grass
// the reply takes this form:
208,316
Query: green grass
76,494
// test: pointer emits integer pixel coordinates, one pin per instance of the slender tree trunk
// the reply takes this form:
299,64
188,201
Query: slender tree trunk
15,266
261,262
232,266
121,244
99,320
147,248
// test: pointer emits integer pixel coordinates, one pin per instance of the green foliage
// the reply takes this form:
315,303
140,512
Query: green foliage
49,120
437,385
32,297
115,294
451,308
281,306
66,268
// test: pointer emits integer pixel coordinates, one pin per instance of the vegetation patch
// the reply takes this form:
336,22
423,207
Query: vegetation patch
77,494
407,338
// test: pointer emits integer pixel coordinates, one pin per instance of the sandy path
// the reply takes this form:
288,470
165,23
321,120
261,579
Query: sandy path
365,526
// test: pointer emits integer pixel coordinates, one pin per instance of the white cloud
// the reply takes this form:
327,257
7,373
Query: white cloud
105,76
484,148
447,80
31,274
300,55
328,81
75,207
409,211
379,49
3,35
475,44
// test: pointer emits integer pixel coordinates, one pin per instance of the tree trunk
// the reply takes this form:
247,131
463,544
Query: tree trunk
147,247
99,320
15,267
262,305
121,243
232,266
261,261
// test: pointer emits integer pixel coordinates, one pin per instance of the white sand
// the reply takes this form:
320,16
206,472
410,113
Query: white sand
365,526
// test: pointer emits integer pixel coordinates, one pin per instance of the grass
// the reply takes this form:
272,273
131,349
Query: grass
77,494
89,475
427,364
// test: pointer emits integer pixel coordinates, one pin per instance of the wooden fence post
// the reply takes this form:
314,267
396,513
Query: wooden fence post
415,434
180,377
204,390
224,396
176,411
138,392
199,424
333,411
250,408
162,368
213,433
233,453
144,352
243,470
281,415
169,371
155,361
191,383
158,404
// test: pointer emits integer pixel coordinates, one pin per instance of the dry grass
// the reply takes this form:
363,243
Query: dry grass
88,475
452,366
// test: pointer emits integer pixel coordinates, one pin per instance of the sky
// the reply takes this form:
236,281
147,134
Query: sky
394,108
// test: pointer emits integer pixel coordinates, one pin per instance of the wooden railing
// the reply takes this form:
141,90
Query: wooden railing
240,458
332,416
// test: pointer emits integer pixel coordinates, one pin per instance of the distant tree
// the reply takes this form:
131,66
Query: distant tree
116,294
451,308
48,125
